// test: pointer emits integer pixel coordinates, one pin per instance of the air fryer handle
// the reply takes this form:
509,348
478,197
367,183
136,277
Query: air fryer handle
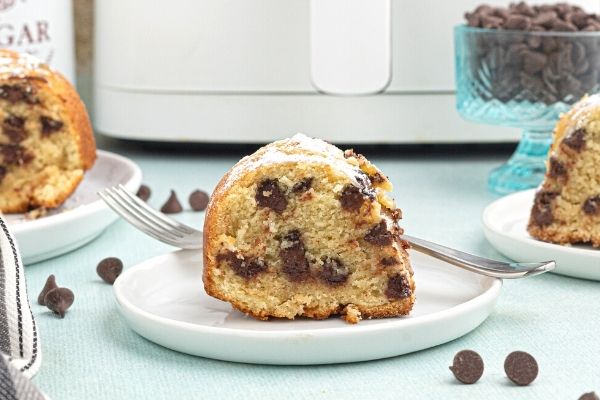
350,46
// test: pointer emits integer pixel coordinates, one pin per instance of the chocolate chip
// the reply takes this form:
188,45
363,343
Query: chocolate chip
198,200
109,269
557,168
398,287
575,139
144,192
542,208
376,178
521,368
172,205
389,261
50,125
293,259
467,366
3,173
334,272
351,198
379,235
16,93
592,205
270,195
15,155
50,284
303,185
517,22
246,268
58,300
545,19
534,62
589,396
14,128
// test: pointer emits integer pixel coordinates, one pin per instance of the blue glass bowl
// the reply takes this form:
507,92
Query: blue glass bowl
525,80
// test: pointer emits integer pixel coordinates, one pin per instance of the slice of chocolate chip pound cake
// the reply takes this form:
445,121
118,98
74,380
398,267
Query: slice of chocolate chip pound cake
300,228
566,208
46,140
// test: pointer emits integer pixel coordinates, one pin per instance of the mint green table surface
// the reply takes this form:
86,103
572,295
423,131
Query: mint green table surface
92,353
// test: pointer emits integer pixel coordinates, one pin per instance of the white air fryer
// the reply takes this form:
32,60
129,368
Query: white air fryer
234,71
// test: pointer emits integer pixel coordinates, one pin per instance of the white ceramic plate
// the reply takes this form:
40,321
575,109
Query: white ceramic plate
163,300
83,216
505,227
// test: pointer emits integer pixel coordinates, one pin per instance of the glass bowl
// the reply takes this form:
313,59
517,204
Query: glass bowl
525,80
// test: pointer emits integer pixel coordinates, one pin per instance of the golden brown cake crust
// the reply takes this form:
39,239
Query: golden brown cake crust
17,68
244,174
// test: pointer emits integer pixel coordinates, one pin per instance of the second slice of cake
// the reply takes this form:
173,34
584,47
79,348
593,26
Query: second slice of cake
566,208
300,228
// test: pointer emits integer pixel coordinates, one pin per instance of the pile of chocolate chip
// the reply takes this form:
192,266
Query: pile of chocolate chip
528,64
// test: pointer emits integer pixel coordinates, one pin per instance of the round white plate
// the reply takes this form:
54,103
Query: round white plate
163,300
505,227
81,218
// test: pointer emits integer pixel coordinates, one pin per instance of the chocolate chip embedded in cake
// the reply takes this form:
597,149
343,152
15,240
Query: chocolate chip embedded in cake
398,287
575,140
303,185
14,154
541,212
13,127
333,271
322,221
293,257
556,168
270,195
50,125
246,268
16,93
592,205
351,198
379,235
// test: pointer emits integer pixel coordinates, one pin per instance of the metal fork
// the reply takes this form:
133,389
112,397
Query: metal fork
167,230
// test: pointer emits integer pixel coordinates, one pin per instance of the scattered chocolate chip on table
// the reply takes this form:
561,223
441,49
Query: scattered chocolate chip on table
589,396
58,300
144,192
109,269
198,200
521,368
467,366
50,284
172,205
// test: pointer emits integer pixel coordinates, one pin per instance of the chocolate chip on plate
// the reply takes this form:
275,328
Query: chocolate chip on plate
50,284
589,396
198,200
109,269
172,205
144,192
521,368
467,366
58,300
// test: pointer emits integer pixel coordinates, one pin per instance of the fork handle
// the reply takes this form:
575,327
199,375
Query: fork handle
480,265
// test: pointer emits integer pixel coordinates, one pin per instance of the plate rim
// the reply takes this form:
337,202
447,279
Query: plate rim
487,225
84,209
489,294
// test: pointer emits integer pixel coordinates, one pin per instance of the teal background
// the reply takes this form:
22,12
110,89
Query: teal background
93,354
